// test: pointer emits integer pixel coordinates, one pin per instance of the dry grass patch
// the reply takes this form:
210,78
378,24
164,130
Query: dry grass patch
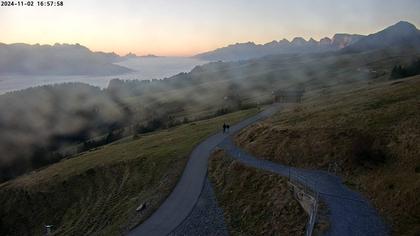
371,132
255,202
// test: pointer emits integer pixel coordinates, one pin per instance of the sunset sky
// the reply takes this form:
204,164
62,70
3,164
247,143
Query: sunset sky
187,27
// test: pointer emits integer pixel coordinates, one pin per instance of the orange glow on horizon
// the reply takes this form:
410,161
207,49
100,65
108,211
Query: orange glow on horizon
187,27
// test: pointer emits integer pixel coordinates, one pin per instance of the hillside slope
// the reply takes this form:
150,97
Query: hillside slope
255,202
98,192
369,135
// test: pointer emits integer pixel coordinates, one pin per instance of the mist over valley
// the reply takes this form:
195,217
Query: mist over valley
138,68
235,140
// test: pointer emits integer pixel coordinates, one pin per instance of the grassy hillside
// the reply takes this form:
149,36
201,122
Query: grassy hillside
42,125
98,192
72,192
255,202
371,132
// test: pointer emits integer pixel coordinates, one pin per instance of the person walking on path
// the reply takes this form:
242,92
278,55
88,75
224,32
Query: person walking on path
224,127
227,128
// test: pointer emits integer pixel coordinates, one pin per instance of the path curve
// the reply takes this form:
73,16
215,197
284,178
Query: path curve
350,213
187,191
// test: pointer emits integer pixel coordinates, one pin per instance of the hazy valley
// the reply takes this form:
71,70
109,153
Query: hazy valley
101,153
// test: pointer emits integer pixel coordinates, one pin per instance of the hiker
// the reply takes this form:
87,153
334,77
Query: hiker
227,128
224,127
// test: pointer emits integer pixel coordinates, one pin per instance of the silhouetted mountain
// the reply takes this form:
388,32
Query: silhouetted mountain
134,56
344,40
244,51
130,56
59,59
149,56
398,36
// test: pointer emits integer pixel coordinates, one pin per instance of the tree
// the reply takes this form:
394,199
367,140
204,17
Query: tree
399,71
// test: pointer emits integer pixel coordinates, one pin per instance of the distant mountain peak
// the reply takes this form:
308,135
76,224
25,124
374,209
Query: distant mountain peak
284,41
250,43
400,35
312,41
272,43
149,56
130,54
57,59
299,41
325,41
404,24
402,27
344,40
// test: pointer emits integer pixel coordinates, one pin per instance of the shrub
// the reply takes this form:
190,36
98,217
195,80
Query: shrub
222,111
399,71
366,152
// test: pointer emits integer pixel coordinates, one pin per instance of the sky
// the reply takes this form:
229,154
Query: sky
188,27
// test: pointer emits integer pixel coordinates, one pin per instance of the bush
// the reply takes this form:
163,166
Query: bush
366,152
222,111
399,71
152,125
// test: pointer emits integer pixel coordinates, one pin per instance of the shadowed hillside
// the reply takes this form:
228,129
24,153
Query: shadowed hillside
62,120
255,202
98,191
368,134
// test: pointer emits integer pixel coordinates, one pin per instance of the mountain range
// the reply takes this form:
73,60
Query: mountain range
244,51
57,59
403,34
75,59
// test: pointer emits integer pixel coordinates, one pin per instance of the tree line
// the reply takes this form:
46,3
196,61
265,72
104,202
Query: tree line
399,71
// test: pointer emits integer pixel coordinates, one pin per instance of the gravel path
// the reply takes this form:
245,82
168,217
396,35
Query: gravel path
206,218
349,212
186,193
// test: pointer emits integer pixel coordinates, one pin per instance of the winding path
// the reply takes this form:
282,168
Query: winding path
350,213
187,191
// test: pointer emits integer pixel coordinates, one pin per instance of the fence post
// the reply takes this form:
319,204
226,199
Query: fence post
48,227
